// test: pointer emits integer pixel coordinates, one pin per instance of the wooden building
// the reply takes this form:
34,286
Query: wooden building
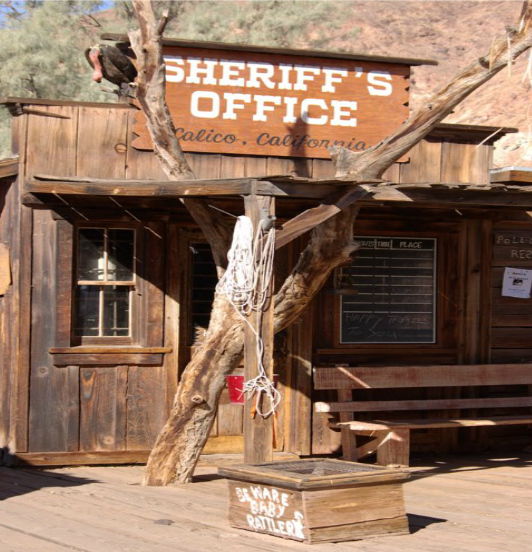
110,282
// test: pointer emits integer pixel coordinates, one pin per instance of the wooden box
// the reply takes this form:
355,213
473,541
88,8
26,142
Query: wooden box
317,500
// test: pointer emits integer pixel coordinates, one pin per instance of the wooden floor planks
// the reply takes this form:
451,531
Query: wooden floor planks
465,504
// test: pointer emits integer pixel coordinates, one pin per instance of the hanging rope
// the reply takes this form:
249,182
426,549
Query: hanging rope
246,285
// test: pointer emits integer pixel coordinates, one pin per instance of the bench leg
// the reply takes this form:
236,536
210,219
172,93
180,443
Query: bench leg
349,440
349,445
395,448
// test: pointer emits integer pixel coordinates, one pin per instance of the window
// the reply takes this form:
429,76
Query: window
105,282
111,290
388,292
204,280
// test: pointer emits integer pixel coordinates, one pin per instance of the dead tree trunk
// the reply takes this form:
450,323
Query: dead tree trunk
331,243
183,437
180,443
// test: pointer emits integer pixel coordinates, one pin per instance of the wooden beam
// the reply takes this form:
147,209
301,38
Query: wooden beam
108,350
77,458
143,188
453,375
435,404
258,430
437,423
43,113
9,100
312,217
455,195
183,188
512,176
334,195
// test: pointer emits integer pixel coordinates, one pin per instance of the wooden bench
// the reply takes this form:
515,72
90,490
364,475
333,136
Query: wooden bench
391,437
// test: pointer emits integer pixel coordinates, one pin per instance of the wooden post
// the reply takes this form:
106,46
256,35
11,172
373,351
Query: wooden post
258,431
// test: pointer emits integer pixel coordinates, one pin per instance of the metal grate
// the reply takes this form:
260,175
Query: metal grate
318,468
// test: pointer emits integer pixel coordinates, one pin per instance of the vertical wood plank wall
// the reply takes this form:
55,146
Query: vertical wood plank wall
511,321
15,233
464,263
92,408
9,236
121,407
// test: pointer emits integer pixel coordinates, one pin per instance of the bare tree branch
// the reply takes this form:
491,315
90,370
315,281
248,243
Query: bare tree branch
324,253
331,243
151,91
151,95
373,162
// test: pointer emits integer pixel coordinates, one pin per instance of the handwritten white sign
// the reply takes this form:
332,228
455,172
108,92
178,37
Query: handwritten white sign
271,511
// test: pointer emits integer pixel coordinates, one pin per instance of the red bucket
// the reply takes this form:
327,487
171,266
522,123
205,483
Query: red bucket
235,384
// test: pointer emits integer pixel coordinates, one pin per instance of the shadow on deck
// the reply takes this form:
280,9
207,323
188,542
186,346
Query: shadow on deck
466,504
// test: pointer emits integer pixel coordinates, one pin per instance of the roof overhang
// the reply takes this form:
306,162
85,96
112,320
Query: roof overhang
512,175
478,134
18,105
49,189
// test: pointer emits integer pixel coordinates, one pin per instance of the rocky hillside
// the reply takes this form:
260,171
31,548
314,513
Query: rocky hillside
454,32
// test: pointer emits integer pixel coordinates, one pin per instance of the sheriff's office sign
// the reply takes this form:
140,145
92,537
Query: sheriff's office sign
254,103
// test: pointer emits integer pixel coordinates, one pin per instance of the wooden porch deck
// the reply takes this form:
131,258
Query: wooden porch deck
464,504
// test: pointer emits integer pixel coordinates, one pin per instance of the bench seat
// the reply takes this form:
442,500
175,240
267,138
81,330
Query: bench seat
383,425
390,439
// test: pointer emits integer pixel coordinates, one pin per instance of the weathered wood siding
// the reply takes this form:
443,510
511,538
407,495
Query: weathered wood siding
9,227
117,403
511,320
96,403
480,326
15,235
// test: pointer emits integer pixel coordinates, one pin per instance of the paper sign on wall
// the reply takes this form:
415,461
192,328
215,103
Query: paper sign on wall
517,282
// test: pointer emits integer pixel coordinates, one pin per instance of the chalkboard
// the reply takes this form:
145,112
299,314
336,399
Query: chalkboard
388,292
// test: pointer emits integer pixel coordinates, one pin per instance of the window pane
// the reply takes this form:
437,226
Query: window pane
91,258
116,310
120,247
204,281
87,310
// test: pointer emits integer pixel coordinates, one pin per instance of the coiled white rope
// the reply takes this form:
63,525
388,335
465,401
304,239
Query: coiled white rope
245,283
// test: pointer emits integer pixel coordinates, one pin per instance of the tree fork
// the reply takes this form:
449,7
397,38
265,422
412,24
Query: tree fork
187,429
331,243
373,162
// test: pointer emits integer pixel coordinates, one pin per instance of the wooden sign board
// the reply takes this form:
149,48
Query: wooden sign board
5,269
512,247
252,103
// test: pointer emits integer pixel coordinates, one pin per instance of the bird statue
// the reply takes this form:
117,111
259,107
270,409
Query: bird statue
111,64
